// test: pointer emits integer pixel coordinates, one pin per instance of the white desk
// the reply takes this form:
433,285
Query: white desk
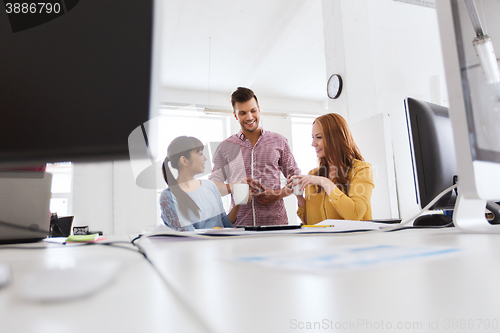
459,289
205,290
136,301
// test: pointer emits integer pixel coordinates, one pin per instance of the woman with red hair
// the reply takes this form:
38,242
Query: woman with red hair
341,187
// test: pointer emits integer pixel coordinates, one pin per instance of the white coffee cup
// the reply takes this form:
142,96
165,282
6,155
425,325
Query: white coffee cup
240,193
296,187
296,190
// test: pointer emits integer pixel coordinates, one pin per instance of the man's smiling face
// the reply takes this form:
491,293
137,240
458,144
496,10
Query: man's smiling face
248,115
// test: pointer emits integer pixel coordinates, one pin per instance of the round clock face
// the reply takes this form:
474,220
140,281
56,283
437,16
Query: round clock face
334,86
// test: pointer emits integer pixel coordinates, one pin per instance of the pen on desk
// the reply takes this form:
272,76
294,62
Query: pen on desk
318,226
218,228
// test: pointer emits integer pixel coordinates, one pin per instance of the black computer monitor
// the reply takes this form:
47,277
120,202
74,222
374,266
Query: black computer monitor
74,84
433,152
76,78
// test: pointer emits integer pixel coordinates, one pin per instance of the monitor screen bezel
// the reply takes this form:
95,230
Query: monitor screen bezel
478,153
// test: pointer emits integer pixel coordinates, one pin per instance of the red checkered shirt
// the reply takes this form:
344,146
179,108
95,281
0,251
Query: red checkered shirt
235,158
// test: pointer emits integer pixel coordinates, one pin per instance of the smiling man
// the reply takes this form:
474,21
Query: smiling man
260,156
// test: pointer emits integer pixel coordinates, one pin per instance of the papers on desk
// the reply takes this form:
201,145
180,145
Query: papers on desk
335,259
339,226
75,239
348,225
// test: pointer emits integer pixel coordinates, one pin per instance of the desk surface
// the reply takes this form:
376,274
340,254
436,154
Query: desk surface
205,289
137,300
461,288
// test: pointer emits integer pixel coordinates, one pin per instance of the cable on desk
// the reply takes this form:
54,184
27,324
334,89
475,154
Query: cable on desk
419,228
133,240
58,246
174,290
401,226
430,204
113,244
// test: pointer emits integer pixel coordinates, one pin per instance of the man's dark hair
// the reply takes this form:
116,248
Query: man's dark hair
242,95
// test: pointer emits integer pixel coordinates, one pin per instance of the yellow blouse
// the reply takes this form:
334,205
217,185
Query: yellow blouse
337,205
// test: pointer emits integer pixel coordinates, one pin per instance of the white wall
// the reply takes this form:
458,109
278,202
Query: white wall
93,196
407,61
386,51
107,199
376,148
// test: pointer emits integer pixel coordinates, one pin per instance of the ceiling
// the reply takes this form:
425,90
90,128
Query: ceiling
274,47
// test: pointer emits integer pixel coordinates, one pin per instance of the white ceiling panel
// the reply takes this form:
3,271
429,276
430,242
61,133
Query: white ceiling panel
275,47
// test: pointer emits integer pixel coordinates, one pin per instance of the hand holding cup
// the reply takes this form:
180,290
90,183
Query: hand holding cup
241,193
294,183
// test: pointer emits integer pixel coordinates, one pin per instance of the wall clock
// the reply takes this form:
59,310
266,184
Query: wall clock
334,86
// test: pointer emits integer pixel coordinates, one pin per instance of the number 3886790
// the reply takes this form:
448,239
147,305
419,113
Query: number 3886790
32,8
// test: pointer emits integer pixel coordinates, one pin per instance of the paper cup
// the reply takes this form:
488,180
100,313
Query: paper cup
296,191
240,193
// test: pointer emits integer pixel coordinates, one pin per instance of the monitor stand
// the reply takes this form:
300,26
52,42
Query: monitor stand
469,215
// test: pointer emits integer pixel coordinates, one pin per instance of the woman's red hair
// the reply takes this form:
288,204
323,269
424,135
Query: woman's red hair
340,150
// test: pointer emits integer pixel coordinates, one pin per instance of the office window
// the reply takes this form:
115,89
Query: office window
61,189
206,128
304,153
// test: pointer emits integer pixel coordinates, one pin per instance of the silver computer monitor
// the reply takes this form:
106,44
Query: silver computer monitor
474,105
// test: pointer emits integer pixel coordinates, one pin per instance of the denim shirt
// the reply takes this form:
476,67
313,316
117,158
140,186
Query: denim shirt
208,199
